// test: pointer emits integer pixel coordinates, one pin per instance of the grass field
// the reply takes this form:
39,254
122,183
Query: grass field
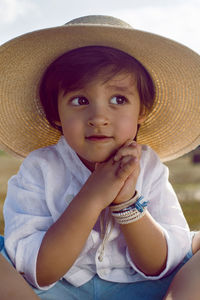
184,176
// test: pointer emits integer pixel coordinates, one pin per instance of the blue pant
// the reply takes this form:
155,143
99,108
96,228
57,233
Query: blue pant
98,289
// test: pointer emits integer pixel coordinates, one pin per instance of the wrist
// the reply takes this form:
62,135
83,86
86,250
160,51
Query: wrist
129,211
121,201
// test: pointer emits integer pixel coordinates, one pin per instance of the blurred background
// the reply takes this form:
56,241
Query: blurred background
175,19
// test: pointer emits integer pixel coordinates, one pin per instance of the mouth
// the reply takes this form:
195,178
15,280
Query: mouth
98,138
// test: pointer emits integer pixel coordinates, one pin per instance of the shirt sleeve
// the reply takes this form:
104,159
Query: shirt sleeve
27,217
164,207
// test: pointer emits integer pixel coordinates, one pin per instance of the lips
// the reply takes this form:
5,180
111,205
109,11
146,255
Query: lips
98,138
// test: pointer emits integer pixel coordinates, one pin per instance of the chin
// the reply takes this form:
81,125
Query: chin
90,160
102,159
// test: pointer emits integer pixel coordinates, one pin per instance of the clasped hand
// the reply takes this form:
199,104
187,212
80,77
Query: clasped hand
114,181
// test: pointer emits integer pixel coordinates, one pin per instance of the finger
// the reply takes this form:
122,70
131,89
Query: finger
126,167
126,159
133,161
132,148
108,166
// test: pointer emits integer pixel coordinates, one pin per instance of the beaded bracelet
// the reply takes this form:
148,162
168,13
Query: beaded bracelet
129,211
120,206
132,217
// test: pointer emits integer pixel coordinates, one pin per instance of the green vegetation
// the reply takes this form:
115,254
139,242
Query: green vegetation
191,211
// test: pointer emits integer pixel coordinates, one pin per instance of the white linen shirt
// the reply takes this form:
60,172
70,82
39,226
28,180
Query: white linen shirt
47,182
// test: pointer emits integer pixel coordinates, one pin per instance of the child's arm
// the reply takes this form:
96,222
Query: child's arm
12,284
154,240
145,239
66,238
147,245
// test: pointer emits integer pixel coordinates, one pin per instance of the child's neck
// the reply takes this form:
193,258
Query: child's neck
90,165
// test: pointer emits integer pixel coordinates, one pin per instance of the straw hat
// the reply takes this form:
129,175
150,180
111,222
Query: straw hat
171,129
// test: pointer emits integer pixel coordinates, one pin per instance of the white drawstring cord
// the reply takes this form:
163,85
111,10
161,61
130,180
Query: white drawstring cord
105,232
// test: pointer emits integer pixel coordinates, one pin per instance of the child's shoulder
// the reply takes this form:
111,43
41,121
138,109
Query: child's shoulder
43,158
42,165
45,153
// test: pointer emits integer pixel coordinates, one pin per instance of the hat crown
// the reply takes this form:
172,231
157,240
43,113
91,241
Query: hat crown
99,20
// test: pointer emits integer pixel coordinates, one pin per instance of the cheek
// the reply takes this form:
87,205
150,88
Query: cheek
127,127
72,128
70,123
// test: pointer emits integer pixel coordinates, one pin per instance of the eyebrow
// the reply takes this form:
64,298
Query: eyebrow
122,89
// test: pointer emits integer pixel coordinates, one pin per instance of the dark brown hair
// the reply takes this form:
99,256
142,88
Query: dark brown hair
74,69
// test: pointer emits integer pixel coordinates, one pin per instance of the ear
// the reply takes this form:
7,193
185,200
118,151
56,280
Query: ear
142,115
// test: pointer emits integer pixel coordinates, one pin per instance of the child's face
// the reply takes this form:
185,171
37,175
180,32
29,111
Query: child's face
99,118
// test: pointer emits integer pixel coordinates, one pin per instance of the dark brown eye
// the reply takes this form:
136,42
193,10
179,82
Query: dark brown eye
76,101
118,100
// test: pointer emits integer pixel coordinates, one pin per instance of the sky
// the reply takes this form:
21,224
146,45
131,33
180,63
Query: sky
175,19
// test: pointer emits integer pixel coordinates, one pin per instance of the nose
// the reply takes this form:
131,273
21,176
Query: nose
99,121
98,118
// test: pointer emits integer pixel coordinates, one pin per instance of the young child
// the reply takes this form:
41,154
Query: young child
91,214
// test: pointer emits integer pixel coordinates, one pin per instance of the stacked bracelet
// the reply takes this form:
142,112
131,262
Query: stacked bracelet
129,211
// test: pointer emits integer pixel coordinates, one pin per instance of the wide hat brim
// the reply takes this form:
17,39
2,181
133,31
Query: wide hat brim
171,129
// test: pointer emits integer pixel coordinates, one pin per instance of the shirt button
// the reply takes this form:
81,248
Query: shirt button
100,258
